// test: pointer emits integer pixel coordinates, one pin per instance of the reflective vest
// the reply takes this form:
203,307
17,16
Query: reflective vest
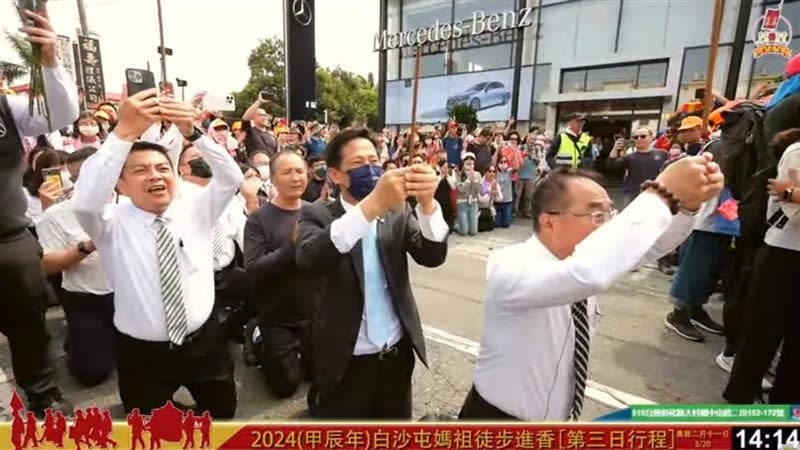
569,154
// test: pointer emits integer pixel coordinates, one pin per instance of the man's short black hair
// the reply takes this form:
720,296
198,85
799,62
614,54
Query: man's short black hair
550,193
80,155
273,162
333,154
142,146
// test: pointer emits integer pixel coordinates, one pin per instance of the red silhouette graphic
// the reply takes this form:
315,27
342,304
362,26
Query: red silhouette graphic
60,429
188,430
137,426
78,430
30,431
105,427
205,429
165,425
17,430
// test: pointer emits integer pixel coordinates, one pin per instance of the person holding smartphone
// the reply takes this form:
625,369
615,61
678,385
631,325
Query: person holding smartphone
22,318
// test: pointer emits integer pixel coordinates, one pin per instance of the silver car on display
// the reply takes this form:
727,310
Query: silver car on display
481,95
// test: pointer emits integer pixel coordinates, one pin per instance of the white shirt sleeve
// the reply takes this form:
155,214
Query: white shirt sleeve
51,234
347,230
433,227
62,102
517,283
215,198
95,186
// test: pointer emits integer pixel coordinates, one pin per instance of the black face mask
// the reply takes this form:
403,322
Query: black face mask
200,168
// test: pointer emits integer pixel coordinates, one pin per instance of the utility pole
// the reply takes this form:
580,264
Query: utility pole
163,47
82,16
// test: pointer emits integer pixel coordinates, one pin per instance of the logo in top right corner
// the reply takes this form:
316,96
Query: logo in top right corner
795,409
772,34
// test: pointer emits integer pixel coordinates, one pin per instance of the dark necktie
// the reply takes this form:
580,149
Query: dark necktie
580,318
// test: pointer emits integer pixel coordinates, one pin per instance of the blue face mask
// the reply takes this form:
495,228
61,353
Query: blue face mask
363,180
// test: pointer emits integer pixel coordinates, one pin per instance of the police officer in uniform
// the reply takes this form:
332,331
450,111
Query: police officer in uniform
22,281
571,146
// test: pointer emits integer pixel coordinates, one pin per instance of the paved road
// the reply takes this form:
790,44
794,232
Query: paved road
634,358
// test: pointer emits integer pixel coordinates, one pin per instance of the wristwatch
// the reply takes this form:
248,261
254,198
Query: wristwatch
82,248
196,134
787,195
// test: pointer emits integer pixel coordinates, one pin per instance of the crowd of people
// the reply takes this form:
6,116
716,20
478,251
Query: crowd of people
164,232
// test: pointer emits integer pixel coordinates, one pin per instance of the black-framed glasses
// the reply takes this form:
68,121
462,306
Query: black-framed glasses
639,136
597,217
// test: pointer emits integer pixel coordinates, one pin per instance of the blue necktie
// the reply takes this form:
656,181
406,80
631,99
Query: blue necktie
377,302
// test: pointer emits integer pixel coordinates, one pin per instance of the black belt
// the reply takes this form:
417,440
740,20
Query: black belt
385,353
188,339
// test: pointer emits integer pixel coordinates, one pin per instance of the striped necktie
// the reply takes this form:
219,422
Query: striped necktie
171,284
217,242
580,318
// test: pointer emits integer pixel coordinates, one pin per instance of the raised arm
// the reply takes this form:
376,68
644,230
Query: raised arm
62,94
518,283
99,174
211,202
250,113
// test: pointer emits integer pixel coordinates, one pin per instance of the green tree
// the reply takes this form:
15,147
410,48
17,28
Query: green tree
466,114
348,98
267,73
12,72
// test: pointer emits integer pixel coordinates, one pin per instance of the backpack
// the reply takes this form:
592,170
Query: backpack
742,153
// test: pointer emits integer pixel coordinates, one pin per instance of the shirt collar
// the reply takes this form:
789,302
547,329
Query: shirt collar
539,248
347,206
150,218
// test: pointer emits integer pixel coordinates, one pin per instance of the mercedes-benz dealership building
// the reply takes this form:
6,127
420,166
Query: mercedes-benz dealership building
623,62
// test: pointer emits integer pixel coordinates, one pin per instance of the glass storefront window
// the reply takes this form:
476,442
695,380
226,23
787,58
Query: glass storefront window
393,26
483,58
620,78
418,14
573,81
424,13
541,87
652,75
693,75
465,8
616,78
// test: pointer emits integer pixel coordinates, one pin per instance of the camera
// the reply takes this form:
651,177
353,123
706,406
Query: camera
134,76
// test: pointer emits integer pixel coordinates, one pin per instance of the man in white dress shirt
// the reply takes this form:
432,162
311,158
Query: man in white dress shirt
158,250
87,297
22,282
540,308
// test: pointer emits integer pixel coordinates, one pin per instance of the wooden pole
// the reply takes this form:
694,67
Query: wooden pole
413,133
708,100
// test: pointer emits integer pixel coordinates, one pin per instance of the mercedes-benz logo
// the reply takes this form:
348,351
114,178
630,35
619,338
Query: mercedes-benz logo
302,12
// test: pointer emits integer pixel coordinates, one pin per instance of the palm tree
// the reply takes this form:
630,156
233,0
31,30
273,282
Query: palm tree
11,71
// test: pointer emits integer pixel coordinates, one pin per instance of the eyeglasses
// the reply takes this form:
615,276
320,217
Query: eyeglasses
597,217
640,136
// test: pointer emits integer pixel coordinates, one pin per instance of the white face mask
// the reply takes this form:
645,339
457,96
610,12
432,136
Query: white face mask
89,130
263,171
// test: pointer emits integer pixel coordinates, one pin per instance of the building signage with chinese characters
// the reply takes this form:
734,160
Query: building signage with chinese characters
478,24
772,34
92,70
65,55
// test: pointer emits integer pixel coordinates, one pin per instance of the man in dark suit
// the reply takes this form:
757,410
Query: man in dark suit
366,327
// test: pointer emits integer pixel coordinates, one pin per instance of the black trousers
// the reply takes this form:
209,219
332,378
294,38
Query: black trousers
478,408
150,372
736,290
91,356
22,320
373,387
284,357
230,292
771,315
